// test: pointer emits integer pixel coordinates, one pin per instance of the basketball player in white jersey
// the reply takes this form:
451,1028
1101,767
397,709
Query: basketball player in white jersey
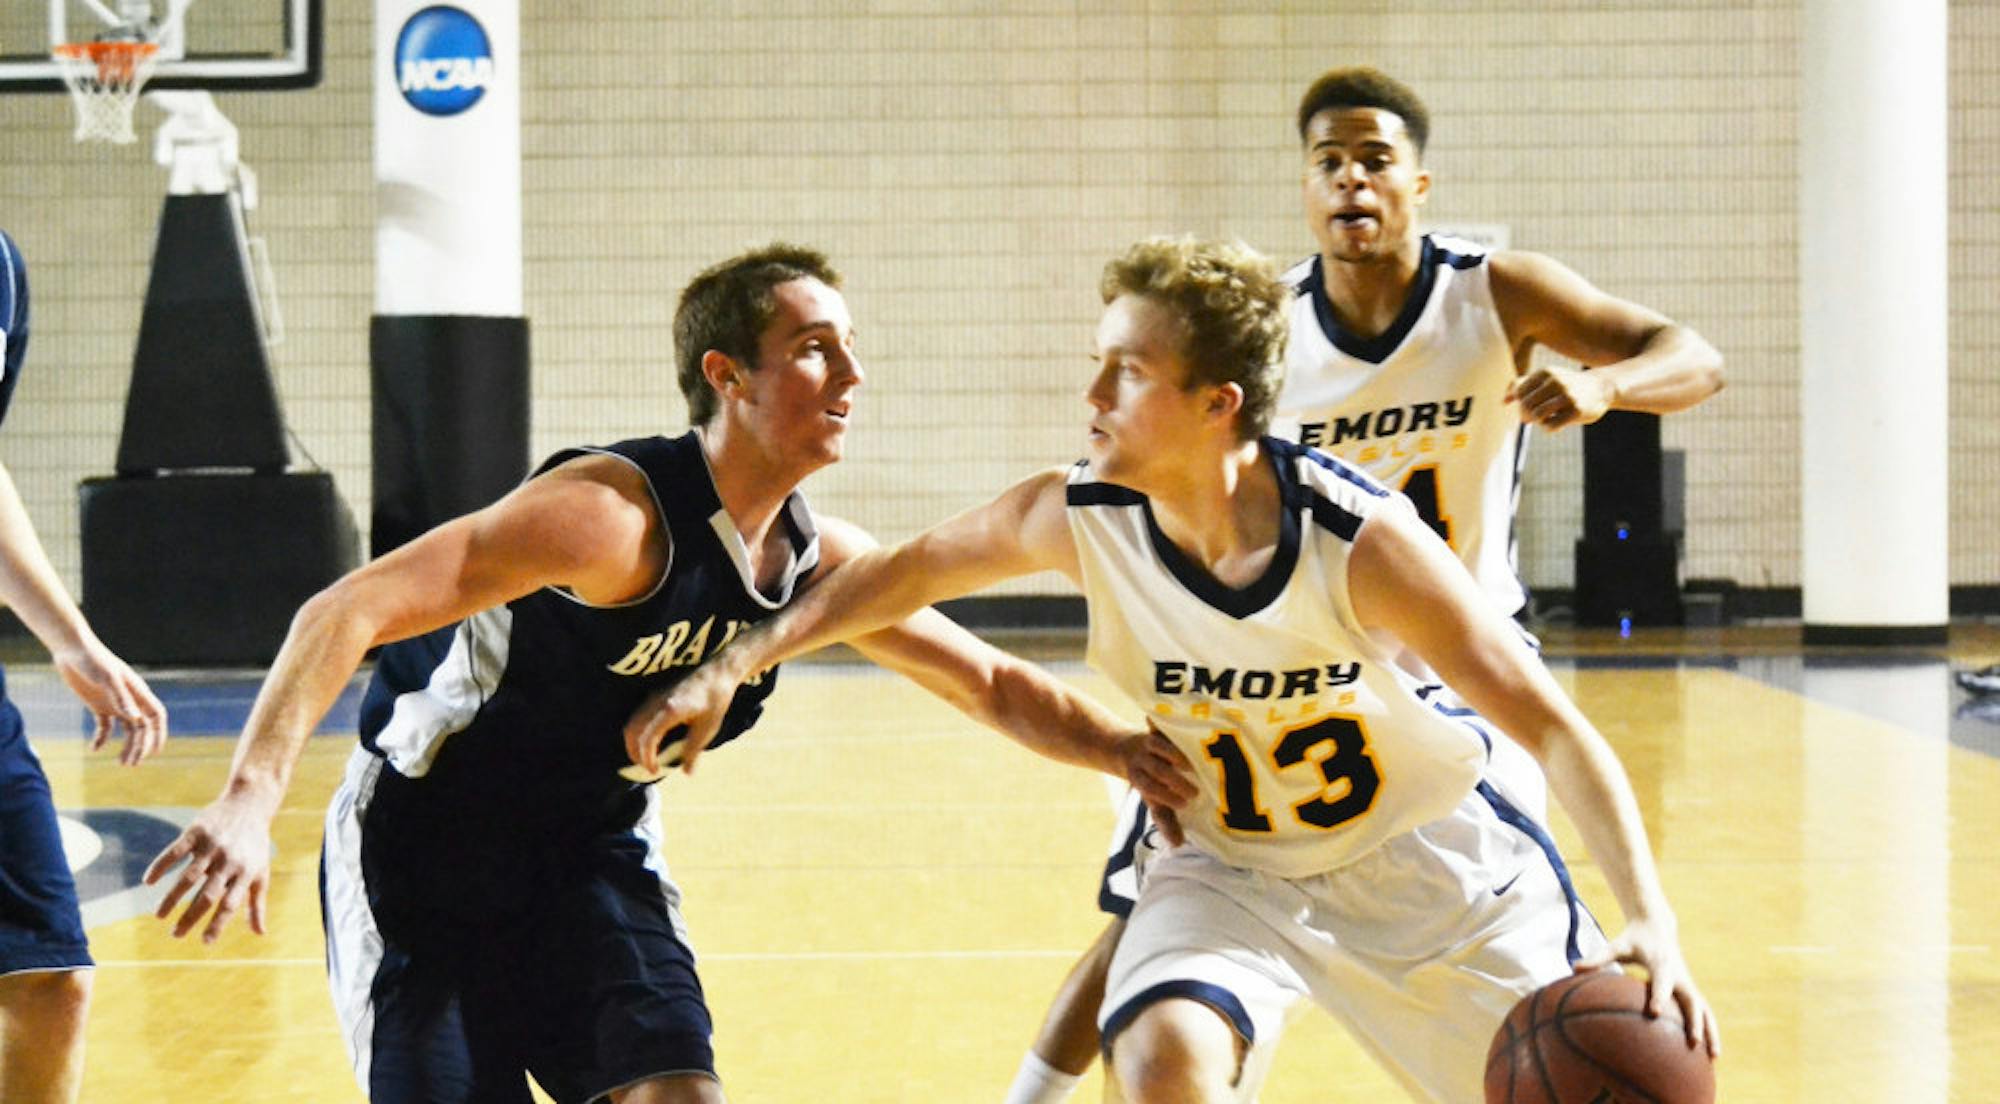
1254,596
1412,356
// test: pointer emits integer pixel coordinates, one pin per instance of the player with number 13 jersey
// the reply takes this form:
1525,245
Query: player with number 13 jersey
1318,746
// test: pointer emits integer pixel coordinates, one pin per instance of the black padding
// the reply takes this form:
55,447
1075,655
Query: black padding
201,394
208,569
449,418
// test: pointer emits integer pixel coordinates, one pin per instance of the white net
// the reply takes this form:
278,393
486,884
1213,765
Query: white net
104,80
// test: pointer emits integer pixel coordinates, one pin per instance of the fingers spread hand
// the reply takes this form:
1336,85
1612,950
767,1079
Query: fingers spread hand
169,858
257,908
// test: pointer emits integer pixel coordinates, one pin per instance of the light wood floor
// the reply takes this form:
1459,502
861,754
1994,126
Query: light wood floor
884,897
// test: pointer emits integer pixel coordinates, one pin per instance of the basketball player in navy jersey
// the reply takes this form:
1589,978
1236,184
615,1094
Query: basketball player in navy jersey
1347,845
495,895
1413,356
44,959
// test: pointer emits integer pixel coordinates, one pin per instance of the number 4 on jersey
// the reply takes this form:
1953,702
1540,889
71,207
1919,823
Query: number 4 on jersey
1421,487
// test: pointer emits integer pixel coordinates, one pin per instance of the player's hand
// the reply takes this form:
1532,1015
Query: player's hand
117,697
228,855
1163,777
1654,946
698,701
1553,397
1168,821
1157,769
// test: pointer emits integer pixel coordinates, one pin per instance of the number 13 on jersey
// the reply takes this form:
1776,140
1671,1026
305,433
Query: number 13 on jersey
1337,746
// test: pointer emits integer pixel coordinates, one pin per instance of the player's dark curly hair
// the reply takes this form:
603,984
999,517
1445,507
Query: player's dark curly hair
726,309
1361,86
1233,306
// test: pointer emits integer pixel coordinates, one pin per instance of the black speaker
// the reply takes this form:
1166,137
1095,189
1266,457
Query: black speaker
1628,559
208,569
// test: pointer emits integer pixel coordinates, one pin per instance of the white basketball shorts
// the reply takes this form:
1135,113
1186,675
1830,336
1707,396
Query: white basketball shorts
1420,947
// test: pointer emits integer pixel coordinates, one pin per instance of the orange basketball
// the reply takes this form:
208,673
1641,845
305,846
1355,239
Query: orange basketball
1587,1040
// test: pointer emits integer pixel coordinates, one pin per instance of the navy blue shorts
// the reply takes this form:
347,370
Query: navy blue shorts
580,974
40,927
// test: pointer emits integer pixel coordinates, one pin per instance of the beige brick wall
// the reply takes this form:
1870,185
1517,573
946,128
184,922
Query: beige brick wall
971,165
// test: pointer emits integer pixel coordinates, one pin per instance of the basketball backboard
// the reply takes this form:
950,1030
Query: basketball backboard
219,45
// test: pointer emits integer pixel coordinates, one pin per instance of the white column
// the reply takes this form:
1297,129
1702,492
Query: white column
448,158
1872,209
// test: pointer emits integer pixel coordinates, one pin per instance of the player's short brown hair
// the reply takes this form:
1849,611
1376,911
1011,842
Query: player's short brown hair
726,309
1233,306
1361,86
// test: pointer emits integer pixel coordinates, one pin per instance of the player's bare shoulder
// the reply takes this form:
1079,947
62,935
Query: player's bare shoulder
1043,500
599,513
1528,288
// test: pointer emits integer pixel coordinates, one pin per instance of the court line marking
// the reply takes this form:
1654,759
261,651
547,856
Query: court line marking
1948,948
739,956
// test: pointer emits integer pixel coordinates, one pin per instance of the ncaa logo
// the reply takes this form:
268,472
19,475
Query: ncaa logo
444,60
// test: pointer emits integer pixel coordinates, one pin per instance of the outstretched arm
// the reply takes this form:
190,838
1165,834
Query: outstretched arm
578,526
111,690
1407,581
1637,359
1018,533
1020,699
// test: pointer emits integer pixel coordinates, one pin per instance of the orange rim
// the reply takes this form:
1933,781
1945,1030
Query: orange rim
115,61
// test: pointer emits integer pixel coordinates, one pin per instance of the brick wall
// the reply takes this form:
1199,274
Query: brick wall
971,166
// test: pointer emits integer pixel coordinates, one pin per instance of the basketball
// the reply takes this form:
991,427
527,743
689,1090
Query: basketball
1586,1040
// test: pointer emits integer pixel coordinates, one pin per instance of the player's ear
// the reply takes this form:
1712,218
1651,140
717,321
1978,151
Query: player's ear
723,372
1422,188
1224,400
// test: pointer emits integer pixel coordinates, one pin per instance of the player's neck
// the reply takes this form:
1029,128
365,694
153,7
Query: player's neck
752,484
1368,295
1224,515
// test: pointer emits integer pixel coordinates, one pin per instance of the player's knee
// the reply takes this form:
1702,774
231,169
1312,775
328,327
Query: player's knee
1176,1050
55,1001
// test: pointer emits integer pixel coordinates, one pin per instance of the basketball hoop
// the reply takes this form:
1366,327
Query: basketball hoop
104,79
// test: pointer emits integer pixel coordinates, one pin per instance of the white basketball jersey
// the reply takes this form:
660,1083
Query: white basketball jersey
1310,745
1421,406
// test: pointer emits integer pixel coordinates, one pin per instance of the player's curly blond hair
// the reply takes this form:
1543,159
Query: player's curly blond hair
1232,305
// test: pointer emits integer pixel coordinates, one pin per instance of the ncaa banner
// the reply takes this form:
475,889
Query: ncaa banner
448,157
448,347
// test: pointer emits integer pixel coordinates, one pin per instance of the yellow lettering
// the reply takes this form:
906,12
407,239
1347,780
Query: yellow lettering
669,647
1460,440
1278,714
1346,700
734,628
1369,455
1164,709
1234,715
635,660
1426,443
1200,710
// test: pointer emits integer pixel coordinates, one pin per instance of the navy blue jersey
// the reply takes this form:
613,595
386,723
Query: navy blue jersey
13,318
508,727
